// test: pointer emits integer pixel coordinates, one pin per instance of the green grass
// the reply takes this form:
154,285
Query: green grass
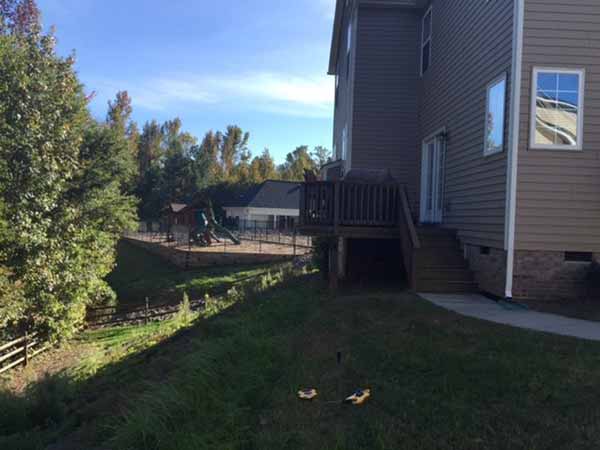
139,274
438,380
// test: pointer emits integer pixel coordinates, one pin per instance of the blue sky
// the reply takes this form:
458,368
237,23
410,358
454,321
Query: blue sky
260,64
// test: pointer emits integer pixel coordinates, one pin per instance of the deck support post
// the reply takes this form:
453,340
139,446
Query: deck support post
333,269
342,258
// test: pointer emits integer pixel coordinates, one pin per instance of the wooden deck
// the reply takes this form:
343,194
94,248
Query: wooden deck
357,210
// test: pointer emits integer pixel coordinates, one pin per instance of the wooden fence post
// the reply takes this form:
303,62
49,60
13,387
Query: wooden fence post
295,234
26,348
147,312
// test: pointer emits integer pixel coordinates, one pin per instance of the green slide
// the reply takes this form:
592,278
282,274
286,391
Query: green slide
224,231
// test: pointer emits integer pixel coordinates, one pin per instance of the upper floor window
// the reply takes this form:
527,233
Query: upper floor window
426,40
345,143
495,116
348,48
557,109
337,87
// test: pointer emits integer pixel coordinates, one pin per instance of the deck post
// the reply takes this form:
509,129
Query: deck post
333,269
336,206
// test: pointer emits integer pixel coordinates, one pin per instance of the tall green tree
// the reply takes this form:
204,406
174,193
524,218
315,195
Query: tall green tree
62,198
296,163
235,143
263,168
321,156
150,147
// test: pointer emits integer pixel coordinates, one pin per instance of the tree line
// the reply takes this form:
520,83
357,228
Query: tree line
173,165
70,184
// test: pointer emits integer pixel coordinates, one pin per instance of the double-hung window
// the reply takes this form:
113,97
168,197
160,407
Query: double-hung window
426,32
348,48
557,109
345,143
495,116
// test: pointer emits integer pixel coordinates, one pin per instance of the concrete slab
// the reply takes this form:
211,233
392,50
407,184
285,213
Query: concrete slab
480,307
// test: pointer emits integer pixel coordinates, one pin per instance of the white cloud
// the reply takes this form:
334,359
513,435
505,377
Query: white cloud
305,96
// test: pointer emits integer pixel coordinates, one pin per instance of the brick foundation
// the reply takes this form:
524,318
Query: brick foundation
489,269
544,275
206,259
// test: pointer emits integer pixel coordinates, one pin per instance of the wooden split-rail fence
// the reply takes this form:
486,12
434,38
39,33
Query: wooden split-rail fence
20,351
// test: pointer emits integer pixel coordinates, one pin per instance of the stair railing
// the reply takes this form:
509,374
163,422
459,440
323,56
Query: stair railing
409,239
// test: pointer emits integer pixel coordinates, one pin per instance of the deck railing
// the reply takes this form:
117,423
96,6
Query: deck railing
340,203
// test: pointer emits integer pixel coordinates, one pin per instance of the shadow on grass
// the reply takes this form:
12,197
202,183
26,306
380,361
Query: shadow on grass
80,412
439,381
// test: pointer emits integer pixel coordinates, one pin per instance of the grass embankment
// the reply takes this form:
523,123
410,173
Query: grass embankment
140,274
439,381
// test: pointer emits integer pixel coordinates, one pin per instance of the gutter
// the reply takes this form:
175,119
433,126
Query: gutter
514,137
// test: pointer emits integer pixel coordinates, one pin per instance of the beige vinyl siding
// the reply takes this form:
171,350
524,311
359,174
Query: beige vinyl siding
342,114
558,194
385,94
471,47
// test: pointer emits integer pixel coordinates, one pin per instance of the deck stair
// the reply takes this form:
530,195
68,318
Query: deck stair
439,263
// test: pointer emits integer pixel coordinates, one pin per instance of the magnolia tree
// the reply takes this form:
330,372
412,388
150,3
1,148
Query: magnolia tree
62,206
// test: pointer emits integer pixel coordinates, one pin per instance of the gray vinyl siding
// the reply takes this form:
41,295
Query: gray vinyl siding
558,195
345,93
471,46
385,123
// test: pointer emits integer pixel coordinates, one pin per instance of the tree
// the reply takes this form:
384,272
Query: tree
296,163
234,143
150,149
19,18
62,199
209,153
118,119
263,168
321,156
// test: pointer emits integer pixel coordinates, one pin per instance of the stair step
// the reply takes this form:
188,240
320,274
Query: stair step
437,258
435,231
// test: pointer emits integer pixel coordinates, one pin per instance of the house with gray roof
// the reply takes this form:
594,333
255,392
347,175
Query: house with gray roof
271,205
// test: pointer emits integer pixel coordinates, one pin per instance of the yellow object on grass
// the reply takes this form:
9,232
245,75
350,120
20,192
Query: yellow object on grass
307,394
359,397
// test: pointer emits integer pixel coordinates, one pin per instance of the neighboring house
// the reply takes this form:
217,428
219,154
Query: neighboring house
271,205
486,114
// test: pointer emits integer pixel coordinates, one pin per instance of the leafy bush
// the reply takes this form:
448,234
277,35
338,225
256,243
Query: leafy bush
62,195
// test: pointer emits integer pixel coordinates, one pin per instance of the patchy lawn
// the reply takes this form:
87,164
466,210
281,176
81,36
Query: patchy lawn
228,380
140,274
439,381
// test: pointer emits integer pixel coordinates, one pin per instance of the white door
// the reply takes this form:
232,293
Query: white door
432,180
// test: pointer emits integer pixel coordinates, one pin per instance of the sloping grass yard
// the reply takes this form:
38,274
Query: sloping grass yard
439,381
140,274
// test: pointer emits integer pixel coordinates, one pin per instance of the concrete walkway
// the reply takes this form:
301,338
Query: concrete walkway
480,307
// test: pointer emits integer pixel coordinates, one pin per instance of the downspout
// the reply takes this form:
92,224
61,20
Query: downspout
514,137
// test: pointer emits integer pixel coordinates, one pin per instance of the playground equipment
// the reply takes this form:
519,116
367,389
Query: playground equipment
207,228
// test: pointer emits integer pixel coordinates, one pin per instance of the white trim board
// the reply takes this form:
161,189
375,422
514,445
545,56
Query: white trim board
513,154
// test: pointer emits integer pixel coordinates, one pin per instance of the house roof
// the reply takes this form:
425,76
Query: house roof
270,194
340,8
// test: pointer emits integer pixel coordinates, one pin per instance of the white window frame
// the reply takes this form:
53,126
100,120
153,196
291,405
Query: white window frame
429,40
580,116
349,37
489,87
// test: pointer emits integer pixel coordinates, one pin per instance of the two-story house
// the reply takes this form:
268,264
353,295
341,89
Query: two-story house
467,138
